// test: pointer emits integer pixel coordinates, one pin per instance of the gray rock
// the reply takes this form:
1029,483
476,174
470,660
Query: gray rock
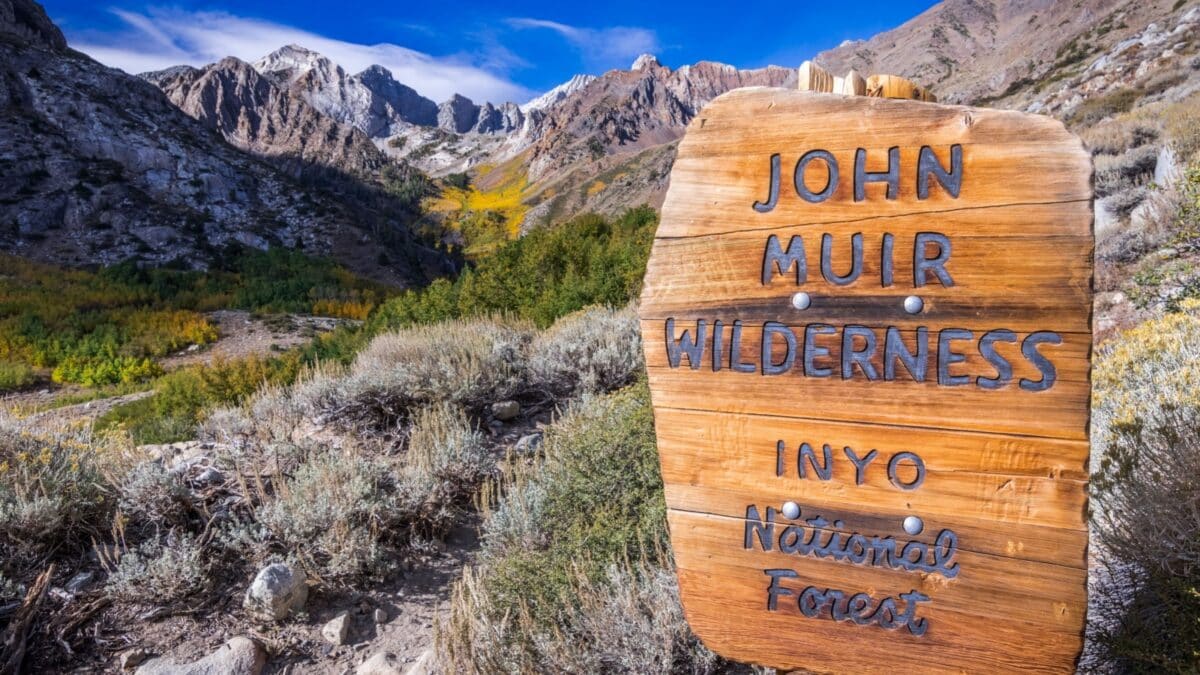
382,663
424,665
380,615
276,593
336,630
239,656
528,443
209,476
133,658
505,410
1166,169
458,114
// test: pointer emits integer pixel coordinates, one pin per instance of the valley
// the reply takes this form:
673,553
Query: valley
271,312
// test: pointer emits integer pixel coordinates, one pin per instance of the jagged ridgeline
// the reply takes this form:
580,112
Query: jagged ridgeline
100,167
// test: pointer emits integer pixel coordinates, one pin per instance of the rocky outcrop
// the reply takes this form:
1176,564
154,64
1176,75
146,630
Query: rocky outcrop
372,101
278,592
100,167
633,110
458,114
980,51
239,656
397,100
27,21
559,93
258,115
503,120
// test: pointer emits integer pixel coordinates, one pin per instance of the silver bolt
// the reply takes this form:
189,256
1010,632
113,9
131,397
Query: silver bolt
801,300
913,525
791,510
913,304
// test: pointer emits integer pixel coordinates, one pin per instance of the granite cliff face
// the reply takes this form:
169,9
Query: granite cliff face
98,167
258,115
625,111
372,101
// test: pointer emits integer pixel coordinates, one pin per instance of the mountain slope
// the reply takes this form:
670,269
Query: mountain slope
255,114
98,167
977,50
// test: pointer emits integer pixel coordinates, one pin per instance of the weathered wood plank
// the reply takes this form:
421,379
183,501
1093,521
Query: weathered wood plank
723,164
998,615
975,398
1061,414
1047,275
1071,358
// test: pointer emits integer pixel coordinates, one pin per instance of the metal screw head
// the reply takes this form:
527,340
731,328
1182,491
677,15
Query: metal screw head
791,510
913,525
913,304
801,300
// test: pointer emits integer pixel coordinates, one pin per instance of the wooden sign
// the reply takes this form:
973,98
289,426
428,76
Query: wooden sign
867,325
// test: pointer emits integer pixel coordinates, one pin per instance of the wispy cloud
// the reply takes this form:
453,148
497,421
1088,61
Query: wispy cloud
604,47
160,38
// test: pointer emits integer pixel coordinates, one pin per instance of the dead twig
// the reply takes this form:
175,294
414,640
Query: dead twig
12,649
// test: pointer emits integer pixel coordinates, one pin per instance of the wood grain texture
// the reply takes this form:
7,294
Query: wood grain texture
999,615
1004,469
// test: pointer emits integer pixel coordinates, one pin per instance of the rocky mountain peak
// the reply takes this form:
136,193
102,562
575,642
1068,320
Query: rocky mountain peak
646,61
27,20
559,93
292,62
458,114
101,166
404,101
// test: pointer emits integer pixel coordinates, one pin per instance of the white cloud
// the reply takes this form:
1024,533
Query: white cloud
606,47
162,38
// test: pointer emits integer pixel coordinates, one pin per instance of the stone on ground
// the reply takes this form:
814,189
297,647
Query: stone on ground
277,592
239,656
337,629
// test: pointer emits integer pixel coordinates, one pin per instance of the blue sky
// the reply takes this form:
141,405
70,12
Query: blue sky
483,50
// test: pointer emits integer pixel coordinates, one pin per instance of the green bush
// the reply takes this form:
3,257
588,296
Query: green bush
15,376
565,526
458,180
542,276
96,372
181,398
1097,108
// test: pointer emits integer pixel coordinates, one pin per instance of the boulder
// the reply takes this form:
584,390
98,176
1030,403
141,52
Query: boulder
239,656
277,592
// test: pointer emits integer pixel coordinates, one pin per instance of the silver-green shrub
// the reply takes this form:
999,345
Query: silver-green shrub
595,350
1146,498
445,462
328,512
160,573
152,495
470,363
